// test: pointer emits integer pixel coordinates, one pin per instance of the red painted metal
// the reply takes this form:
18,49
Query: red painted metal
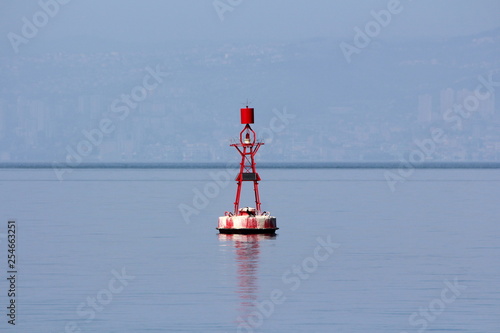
247,148
247,115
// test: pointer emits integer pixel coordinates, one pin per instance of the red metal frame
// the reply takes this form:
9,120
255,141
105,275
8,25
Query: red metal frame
247,148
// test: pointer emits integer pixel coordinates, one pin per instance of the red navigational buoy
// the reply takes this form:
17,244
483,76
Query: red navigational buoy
247,220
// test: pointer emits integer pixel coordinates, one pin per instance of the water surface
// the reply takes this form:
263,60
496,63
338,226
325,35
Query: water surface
395,257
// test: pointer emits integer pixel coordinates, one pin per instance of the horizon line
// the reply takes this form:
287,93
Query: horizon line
262,165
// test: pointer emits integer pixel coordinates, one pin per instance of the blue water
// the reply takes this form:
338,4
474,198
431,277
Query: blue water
110,251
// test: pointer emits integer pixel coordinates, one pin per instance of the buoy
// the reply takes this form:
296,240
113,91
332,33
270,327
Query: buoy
247,220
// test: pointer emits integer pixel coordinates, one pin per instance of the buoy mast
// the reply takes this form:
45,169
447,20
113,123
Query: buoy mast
247,148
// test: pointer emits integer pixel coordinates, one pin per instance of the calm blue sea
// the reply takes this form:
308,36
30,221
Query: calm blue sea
136,250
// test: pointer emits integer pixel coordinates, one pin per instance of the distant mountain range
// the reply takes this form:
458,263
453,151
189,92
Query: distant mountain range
370,109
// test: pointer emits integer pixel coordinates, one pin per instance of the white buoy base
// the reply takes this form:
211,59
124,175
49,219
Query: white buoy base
247,224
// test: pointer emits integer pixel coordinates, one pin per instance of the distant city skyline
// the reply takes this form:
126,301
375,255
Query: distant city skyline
103,111
158,81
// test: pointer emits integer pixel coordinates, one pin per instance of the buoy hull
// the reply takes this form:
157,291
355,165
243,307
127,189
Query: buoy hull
248,231
244,224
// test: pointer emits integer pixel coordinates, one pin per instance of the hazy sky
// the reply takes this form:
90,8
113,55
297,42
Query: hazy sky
164,20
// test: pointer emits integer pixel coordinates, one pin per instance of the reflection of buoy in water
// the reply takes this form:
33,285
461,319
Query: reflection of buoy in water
247,220
247,251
